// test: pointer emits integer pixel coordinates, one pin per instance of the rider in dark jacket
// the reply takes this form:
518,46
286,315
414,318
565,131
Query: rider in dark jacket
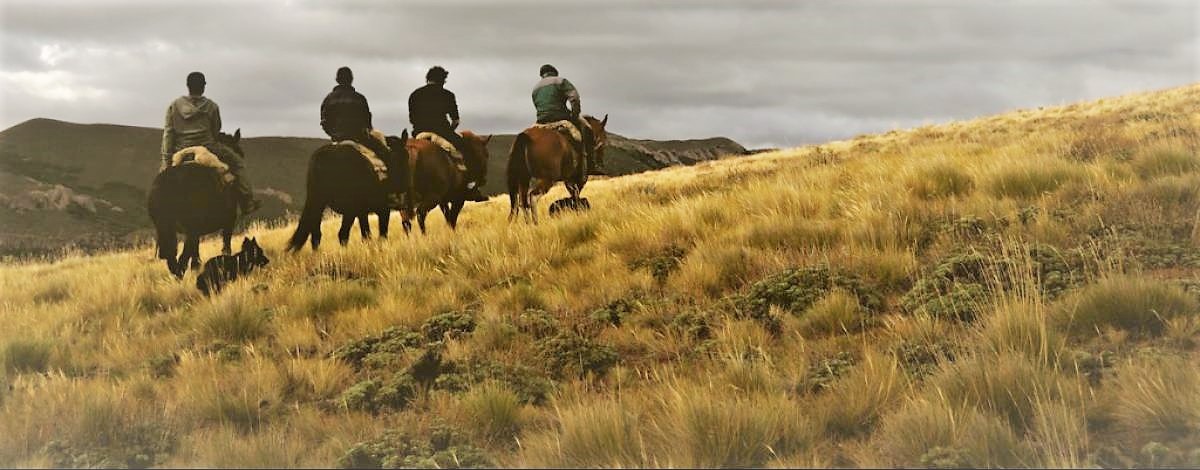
345,115
428,109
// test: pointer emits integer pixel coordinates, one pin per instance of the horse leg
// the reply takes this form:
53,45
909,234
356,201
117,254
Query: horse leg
309,225
344,231
226,239
445,208
191,253
384,219
364,225
422,212
538,187
452,217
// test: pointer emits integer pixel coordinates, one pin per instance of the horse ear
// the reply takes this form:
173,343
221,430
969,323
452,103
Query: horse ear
404,135
488,139
604,122
237,135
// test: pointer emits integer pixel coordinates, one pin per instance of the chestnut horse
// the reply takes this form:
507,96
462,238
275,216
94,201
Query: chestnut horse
434,181
541,157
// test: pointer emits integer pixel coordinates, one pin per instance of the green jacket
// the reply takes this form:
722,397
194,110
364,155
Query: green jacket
191,120
550,97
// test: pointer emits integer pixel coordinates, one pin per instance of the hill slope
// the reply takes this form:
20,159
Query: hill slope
97,176
1018,290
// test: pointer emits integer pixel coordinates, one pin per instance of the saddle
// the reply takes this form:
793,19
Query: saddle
456,157
200,155
566,127
369,155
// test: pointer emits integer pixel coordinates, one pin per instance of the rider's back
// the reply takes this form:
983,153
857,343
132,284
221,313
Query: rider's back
194,120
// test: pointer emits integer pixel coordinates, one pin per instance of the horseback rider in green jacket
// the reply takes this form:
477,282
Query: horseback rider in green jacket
194,120
550,97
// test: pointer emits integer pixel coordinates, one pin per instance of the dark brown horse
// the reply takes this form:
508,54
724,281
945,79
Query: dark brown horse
434,181
541,157
339,178
193,200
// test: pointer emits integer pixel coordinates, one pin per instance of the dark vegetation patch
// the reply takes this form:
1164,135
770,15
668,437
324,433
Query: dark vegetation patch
570,354
448,325
660,265
437,448
795,290
376,349
822,374
961,285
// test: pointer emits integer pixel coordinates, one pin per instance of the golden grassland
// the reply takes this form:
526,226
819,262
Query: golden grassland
1018,290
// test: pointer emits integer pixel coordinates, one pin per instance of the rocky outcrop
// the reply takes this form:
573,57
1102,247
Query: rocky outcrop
664,153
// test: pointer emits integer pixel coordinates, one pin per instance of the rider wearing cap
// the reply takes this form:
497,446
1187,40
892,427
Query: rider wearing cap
550,97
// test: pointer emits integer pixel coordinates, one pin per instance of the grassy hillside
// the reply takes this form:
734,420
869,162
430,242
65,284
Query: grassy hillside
1019,290
113,166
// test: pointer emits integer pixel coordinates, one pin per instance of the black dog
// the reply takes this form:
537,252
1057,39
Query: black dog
226,268
567,203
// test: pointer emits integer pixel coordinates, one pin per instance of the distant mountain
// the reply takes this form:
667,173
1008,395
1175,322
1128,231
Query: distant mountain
66,184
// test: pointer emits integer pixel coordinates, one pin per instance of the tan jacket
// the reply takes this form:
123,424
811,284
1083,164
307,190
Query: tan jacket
191,120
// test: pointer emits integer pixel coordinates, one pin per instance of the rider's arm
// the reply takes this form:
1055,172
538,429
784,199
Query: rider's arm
325,116
216,120
572,95
168,137
366,108
452,110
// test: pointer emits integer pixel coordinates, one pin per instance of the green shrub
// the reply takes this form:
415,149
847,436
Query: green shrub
795,290
537,323
572,355
376,395
939,181
397,449
662,264
378,348
448,325
1136,304
615,312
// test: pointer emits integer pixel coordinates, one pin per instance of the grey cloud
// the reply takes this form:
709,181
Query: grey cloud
762,72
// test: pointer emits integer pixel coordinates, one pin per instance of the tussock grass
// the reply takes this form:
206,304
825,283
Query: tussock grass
1135,304
940,180
1158,399
679,322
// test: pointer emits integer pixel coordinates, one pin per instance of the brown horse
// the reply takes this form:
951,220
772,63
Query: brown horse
434,181
541,157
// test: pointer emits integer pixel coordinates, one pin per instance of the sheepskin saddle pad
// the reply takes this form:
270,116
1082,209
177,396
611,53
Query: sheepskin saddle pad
564,126
456,157
199,155
377,163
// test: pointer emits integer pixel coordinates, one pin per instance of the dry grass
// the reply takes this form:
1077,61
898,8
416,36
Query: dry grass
109,361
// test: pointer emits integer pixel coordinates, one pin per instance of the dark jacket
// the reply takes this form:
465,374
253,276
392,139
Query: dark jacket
345,113
428,107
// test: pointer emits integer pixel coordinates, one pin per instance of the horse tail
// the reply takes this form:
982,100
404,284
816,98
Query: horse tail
314,203
518,168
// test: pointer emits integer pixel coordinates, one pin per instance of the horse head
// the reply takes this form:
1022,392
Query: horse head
600,134
234,142
478,146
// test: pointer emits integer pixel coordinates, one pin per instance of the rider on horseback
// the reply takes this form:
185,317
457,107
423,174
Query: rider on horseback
550,97
194,120
345,115
428,108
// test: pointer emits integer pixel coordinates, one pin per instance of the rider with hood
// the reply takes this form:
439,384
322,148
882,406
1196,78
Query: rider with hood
428,109
550,97
194,120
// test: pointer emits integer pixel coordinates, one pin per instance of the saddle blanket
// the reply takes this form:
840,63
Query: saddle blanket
563,126
455,155
376,164
200,155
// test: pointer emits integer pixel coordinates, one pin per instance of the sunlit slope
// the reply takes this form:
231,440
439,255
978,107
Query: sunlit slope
1018,290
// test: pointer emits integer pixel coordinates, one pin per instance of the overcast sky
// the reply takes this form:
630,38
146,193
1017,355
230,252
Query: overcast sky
762,73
